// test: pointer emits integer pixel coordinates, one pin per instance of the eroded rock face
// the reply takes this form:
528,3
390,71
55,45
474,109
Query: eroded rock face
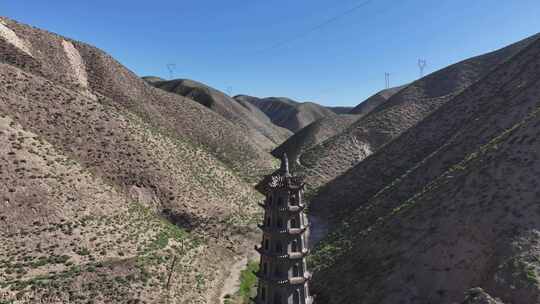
9,35
479,296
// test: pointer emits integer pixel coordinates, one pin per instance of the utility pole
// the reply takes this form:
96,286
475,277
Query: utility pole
422,65
171,67
387,80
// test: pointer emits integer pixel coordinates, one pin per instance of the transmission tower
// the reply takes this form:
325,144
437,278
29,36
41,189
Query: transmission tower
171,67
422,65
387,80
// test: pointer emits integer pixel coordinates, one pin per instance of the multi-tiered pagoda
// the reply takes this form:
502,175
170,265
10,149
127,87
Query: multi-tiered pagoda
283,276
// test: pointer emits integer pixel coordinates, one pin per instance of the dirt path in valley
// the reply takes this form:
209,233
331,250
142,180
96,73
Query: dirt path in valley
232,283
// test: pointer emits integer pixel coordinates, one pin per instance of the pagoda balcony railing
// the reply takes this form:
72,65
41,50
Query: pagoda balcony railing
300,280
257,300
282,281
299,254
292,231
290,255
291,208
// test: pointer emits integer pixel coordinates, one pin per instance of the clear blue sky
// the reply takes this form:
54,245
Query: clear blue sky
268,48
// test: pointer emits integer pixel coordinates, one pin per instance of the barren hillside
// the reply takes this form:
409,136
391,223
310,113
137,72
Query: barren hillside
88,70
152,79
107,181
402,111
340,110
314,134
288,113
455,211
260,128
374,101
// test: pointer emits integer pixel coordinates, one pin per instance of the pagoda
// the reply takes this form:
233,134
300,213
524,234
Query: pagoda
283,276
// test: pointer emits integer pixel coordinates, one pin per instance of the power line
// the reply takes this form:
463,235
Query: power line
317,27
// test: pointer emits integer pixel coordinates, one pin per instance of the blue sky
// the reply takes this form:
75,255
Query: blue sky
278,48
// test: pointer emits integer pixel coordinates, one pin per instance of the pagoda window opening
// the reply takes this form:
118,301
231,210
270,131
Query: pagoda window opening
266,244
280,202
294,246
296,297
294,200
294,223
265,268
280,223
296,270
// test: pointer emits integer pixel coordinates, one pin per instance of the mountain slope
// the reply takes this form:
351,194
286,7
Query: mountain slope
89,70
451,201
451,236
374,101
314,134
261,130
288,113
402,111
106,181
152,79
340,110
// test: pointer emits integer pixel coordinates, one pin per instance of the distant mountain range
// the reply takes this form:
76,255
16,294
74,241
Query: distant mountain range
288,113
262,131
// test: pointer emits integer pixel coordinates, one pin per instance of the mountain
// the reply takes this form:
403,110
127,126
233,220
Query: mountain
340,110
288,113
374,101
314,134
447,206
96,74
112,190
152,79
327,127
401,111
261,130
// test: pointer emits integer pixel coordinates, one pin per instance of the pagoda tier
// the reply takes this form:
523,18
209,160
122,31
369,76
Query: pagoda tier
290,209
289,231
280,281
291,255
